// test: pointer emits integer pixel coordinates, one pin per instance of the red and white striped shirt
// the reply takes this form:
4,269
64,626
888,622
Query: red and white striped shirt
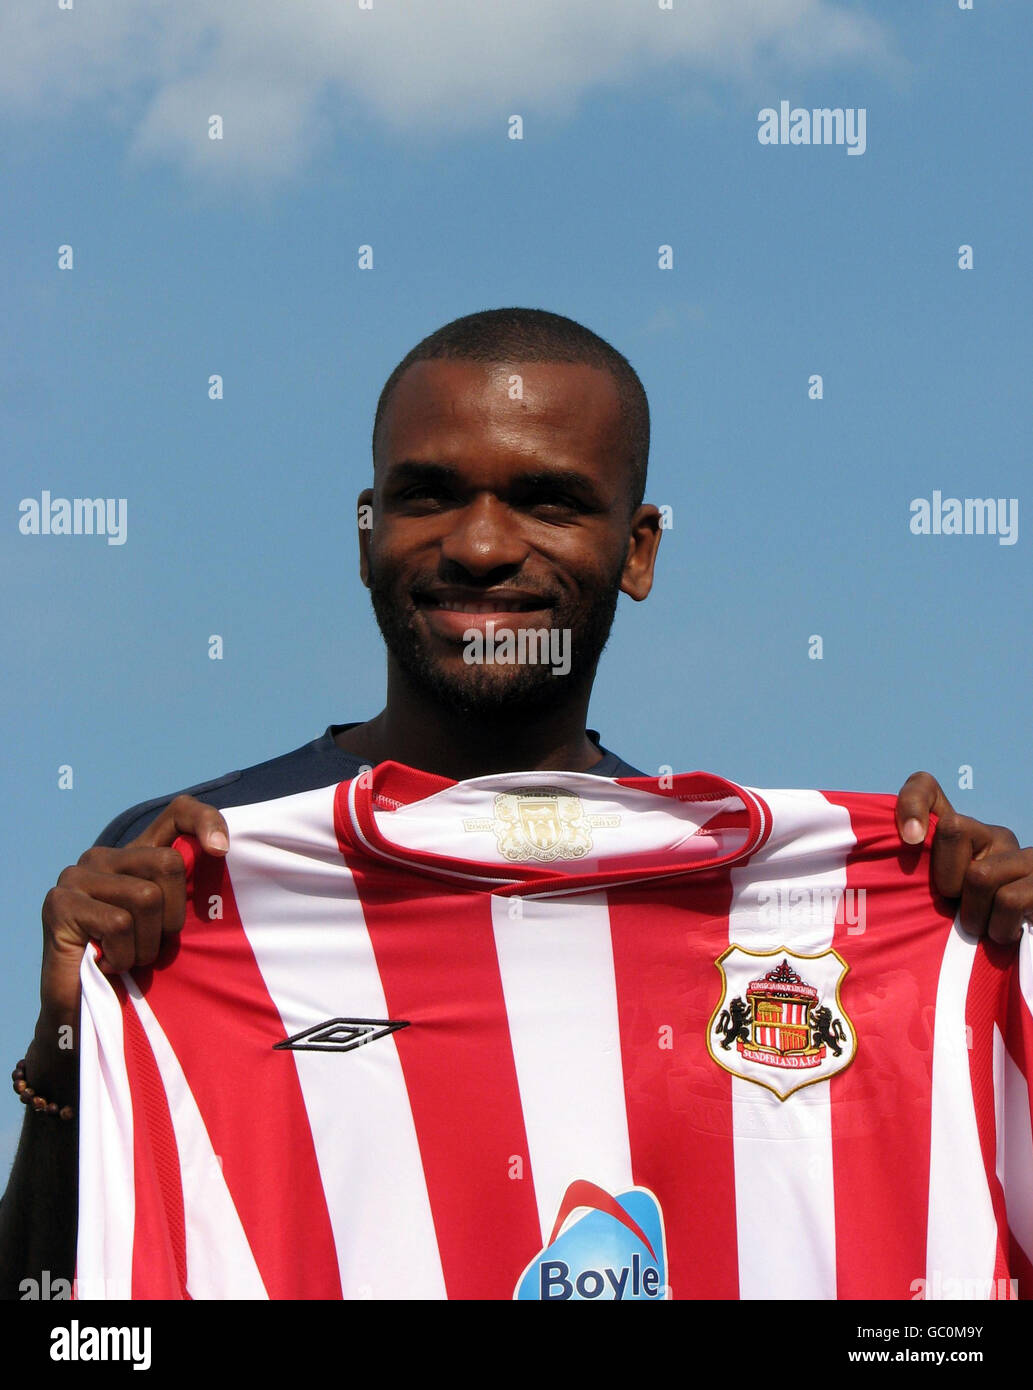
495,996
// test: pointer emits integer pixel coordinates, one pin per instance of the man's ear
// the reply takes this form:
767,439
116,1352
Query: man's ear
365,518
641,557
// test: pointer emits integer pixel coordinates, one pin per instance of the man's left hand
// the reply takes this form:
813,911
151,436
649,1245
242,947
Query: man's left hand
980,864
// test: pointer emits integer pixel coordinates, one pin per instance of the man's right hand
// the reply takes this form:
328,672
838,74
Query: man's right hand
127,900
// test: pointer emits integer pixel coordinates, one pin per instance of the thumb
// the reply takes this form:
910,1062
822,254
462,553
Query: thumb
920,797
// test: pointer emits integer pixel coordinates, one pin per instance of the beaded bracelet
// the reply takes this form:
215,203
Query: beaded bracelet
28,1096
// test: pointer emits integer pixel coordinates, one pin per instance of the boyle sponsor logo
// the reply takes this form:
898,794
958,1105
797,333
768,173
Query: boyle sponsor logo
557,1284
601,1247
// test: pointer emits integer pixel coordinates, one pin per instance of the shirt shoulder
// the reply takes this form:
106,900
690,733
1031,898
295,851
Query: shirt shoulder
611,764
317,764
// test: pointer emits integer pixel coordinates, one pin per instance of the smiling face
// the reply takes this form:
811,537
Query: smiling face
511,512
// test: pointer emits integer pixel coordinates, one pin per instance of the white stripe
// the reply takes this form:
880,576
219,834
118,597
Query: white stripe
1017,1175
1026,967
218,1257
784,1193
1014,1144
962,1236
107,1206
301,913
556,966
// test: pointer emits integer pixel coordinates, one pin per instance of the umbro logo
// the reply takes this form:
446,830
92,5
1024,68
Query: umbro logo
340,1034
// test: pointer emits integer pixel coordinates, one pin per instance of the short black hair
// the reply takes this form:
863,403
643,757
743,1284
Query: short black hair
535,335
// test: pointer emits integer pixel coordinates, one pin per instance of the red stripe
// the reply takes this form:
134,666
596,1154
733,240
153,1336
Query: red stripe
1018,1040
221,1023
1021,1271
435,952
666,939
159,1241
1018,1030
881,1105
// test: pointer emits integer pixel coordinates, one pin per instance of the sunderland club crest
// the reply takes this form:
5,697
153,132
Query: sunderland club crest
779,1021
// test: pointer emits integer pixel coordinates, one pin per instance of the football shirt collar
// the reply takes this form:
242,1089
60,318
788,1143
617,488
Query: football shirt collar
420,821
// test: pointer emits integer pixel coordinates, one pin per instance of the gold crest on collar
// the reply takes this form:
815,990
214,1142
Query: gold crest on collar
541,824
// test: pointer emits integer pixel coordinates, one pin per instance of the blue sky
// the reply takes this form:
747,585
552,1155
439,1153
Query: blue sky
239,257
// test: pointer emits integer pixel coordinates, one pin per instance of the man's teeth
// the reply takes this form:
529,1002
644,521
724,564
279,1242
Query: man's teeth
469,606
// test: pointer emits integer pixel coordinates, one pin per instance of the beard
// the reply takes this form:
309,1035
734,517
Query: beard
486,691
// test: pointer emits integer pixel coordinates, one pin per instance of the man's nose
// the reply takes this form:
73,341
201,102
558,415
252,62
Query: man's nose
484,536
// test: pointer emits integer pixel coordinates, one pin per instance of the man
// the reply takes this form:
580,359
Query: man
509,453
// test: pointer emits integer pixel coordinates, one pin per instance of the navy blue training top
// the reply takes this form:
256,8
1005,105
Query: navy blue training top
317,764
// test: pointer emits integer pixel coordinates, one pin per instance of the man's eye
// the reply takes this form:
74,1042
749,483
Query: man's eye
555,501
419,491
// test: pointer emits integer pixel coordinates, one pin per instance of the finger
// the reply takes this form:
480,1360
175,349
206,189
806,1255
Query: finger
156,904
116,937
957,841
103,873
997,894
187,816
960,842
134,908
64,942
1013,906
920,796
74,919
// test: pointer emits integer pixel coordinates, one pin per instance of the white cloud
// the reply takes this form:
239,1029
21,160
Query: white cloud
282,72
